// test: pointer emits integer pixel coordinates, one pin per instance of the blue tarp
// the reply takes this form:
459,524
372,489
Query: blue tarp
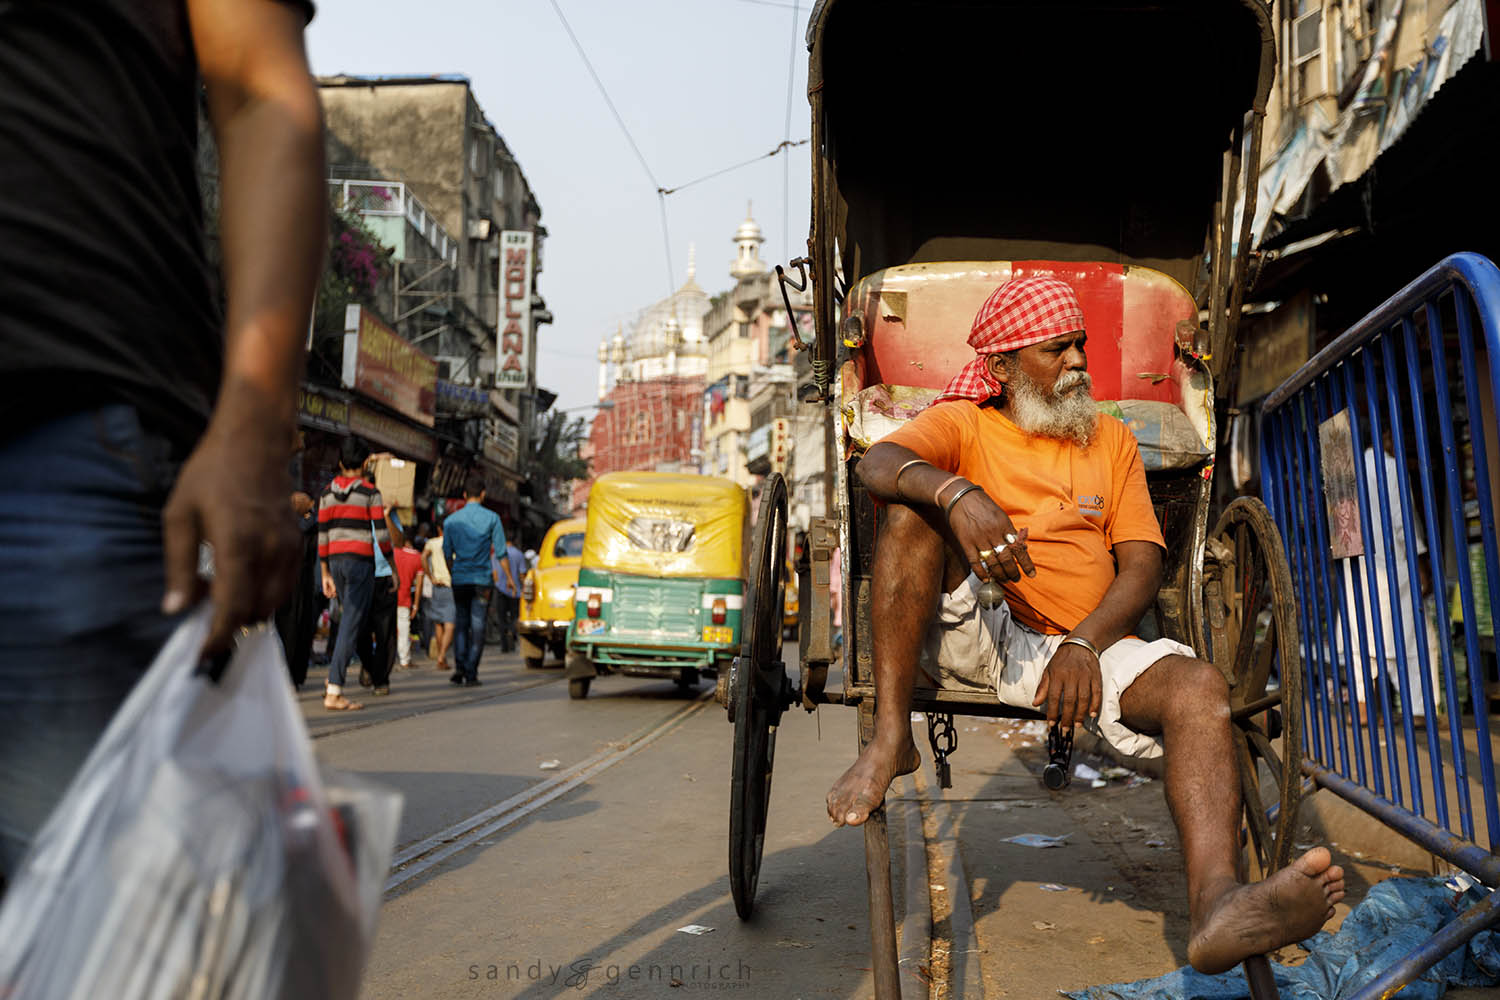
1395,918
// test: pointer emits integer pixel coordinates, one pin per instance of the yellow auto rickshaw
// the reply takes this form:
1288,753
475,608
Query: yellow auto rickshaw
661,586
547,593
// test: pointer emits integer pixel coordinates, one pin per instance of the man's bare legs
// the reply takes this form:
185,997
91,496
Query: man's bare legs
913,567
1187,701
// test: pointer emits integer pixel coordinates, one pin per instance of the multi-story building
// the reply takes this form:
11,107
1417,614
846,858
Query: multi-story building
431,175
1373,168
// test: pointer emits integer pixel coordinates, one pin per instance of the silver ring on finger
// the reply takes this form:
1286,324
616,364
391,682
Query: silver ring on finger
1000,549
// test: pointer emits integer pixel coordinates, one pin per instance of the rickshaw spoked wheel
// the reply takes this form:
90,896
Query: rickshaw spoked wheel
1252,631
759,686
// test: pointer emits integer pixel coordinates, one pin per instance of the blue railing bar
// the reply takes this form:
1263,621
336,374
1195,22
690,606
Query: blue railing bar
1322,614
1434,549
1474,271
1273,454
1460,853
1317,621
1450,938
1398,622
1465,585
1388,549
1463,302
1325,389
1282,510
1356,589
1335,704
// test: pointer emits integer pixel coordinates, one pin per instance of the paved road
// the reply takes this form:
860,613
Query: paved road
580,876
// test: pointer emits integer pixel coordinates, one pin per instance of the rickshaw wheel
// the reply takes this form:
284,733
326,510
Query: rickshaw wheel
759,681
1252,630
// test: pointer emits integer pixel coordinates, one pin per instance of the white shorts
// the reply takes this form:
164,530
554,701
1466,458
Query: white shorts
969,648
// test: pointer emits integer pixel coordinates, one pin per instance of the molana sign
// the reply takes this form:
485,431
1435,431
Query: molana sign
512,351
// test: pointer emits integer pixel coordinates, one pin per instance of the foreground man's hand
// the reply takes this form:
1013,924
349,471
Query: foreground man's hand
232,494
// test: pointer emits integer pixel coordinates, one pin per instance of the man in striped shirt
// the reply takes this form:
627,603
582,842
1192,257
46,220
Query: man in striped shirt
351,523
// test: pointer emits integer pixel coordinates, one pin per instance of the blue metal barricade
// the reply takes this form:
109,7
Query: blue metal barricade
1377,459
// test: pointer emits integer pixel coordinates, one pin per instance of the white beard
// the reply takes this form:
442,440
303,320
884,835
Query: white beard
1067,412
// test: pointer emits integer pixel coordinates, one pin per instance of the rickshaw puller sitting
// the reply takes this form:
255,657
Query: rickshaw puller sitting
1014,475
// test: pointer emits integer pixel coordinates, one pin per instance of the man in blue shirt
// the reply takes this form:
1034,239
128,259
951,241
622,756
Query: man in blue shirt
470,536
508,601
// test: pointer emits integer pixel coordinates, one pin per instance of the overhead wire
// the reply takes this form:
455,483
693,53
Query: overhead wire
620,120
780,148
662,192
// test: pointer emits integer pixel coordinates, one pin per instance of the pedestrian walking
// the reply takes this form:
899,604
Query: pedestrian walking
140,419
297,619
440,611
512,606
409,580
471,536
351,529
376,647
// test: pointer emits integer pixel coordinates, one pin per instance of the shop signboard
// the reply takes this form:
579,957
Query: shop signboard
513,350
781,443
502,444
380,364
388,432
461,400
325,413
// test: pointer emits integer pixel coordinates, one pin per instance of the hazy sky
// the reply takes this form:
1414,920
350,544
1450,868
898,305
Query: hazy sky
701,85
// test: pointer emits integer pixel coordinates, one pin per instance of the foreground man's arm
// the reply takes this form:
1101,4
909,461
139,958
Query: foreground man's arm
232,491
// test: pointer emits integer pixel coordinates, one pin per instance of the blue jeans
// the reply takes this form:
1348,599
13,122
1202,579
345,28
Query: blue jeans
473,603
354,576
81,583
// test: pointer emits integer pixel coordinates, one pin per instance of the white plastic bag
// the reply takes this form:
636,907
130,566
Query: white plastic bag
198,853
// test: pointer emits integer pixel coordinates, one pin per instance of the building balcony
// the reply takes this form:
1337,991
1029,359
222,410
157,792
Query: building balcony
397,217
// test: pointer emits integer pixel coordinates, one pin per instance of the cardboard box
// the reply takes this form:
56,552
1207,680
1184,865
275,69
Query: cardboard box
396,479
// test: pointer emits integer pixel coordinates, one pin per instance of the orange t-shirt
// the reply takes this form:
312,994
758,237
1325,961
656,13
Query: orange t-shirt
1078,503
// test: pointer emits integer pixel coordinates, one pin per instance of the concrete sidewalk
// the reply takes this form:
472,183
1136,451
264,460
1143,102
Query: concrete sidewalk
1108,906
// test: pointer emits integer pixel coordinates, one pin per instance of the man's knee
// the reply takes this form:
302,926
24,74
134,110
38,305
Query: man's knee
1197,687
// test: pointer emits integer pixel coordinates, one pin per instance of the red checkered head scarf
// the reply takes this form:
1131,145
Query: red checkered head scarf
1021,312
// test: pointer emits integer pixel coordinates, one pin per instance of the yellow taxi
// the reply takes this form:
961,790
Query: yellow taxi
547,593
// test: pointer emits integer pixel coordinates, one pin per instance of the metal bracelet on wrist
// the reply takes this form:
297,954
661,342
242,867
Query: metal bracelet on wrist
948,509
1078,640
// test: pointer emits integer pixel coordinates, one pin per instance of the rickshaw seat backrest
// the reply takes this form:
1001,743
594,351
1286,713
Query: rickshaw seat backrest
916,320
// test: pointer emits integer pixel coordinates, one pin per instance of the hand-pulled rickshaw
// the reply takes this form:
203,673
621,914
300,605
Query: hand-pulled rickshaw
958,144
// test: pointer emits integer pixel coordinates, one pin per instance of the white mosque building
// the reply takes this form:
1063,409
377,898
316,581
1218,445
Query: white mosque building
667,338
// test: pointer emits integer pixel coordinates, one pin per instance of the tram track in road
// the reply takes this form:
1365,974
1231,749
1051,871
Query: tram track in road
499,691
423,856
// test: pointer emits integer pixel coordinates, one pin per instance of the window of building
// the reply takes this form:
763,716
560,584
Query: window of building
743,329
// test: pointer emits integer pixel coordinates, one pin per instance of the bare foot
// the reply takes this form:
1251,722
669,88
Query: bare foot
338,703
1292,905
861,789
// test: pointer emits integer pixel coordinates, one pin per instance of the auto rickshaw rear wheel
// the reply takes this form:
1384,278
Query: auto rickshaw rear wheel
760,686
1252,633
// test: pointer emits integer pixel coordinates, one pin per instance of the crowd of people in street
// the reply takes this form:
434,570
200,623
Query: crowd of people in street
377,580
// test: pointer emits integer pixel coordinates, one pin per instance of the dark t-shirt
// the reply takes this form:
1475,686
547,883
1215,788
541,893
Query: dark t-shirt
105,290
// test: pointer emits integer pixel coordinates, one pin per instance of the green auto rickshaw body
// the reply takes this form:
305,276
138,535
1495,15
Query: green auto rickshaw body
661,588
